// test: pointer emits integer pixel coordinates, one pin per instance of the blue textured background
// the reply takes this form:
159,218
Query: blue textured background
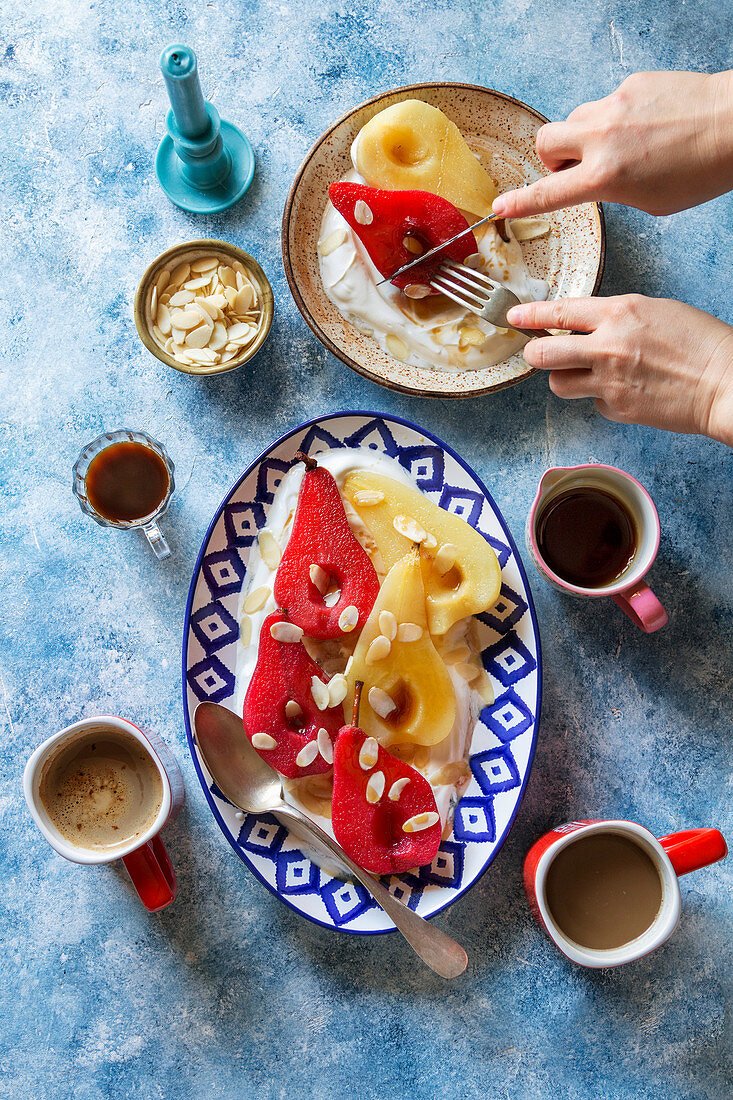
228,993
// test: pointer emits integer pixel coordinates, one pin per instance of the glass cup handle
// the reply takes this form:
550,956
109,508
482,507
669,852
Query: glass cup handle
155,537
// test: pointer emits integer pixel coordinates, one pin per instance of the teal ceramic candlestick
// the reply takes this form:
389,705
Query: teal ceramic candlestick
203,164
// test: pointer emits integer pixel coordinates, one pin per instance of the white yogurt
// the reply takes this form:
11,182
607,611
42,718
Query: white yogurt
430,329
332,656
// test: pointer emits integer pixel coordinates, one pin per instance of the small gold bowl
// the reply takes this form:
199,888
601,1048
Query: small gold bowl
192,250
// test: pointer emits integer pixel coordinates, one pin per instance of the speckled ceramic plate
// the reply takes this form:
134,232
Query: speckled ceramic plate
502,131
503,739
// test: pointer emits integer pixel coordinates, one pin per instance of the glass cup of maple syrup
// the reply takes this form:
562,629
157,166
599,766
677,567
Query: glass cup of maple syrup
593,531
124,479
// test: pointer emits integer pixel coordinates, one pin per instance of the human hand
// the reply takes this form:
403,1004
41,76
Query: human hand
661,142
645,360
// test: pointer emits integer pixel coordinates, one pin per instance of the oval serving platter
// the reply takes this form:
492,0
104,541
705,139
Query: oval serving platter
504,736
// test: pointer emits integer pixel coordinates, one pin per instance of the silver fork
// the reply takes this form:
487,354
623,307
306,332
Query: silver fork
481,295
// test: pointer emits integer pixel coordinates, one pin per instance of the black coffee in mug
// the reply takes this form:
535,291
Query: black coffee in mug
586,536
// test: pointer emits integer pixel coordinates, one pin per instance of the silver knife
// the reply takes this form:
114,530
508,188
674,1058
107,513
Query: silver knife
426,255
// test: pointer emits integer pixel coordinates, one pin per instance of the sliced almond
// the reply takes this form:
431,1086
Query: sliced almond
185,319
368,496
413,245
397,788
378,650
199,337
445,558
380,702
325,745
201,355
362,213
256,599
218,336
162,281
349,663
369,753
468,671
475,260
419,822
337,689
471,338
181,298
286,632
163,319
332,598
409,632
430,541
409,527
244,299
319,578
196,284
307,755
388,624
245,631
332,242
269,549
206,263
528,229
227,276
320,693
416,291
348,619
238,330
396,347
375,787
263,741
178,274
293,709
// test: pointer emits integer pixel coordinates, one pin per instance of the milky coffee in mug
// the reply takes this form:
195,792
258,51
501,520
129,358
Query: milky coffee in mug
102,790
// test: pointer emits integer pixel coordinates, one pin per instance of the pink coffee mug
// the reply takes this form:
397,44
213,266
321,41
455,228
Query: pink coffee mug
672,855
629,591
145,857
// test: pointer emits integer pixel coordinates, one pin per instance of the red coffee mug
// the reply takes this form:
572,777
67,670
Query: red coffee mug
672,855
145,858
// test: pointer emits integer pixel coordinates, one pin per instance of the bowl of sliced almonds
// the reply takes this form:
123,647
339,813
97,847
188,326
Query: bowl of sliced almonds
204,307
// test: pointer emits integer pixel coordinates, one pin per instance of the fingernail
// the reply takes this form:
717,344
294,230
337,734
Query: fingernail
498,206
515,315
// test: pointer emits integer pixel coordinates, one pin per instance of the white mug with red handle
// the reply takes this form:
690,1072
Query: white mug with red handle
145,857
672,855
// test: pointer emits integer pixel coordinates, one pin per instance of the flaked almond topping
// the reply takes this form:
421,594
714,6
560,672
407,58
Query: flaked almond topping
378,650
471,338
445,558
368,496
419,822
380,702
181,298
293,709
430,541
413,245
196,284
474,260
325,745
256,599
307,754
206,263
263,741
528,229
332,598
163,319
485,688
388,624
468,671
416,290
163,280
320,693
185,318
319,578
375,787
369,753
362,213
245,631
348,619
337,689
332,242
409,632
179,274
286,632
397,788
269,549
409,527
349,663
396,347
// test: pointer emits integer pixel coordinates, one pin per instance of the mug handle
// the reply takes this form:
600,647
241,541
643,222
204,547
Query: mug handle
152,874
642,607
156,538
694,848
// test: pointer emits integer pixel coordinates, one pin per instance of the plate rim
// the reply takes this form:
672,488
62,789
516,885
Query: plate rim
184,650
290,274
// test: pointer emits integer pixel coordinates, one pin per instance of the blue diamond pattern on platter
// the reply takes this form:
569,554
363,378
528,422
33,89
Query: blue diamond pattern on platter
376,436
223,572
242,523
296,874
210,680
465,503
481,823
214,627
263,836
345,901
506,612
269,476
509,660
496,770
508,716
447,867
475,820
426,464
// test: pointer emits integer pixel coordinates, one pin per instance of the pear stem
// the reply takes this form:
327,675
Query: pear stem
357,702
308,462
